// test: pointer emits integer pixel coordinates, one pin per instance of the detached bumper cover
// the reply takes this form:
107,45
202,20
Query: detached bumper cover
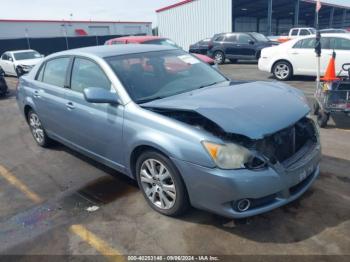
217,190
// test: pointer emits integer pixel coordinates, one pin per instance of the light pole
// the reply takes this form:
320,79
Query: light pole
27,37
65,34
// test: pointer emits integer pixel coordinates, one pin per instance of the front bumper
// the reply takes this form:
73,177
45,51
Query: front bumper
264,65
218,190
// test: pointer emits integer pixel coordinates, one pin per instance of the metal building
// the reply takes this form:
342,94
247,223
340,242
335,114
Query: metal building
192,20
54,28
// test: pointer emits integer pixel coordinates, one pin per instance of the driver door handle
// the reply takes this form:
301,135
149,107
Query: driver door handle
70,105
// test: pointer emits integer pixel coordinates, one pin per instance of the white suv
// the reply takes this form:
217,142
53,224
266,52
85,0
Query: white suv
20,62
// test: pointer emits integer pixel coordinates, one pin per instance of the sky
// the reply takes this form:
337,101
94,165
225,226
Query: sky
119,10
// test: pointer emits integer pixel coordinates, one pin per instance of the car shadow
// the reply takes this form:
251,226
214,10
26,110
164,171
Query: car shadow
341,121
311,214
297,79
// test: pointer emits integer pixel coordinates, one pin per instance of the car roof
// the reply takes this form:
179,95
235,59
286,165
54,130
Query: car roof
292,41
137,39
114,50
20,51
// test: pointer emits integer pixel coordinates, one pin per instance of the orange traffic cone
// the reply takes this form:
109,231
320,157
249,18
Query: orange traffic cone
330,72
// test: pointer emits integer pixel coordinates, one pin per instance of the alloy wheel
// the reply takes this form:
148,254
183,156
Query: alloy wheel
36,127
282,71
219,57
158,184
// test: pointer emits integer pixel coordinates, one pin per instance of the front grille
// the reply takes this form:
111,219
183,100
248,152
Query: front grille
284,144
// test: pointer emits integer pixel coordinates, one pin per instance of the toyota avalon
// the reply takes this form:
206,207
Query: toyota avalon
186,133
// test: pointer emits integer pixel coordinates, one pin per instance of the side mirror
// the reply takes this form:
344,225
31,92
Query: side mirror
251,42
100,96
11,59
42,56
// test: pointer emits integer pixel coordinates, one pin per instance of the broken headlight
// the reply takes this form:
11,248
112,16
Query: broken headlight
232,156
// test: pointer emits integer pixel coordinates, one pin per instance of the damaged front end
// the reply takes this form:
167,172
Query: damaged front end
285,146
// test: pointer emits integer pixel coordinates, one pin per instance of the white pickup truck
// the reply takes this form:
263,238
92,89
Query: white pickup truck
296,32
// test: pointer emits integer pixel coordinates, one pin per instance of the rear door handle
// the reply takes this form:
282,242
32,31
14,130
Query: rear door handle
295,53
36,94
70,105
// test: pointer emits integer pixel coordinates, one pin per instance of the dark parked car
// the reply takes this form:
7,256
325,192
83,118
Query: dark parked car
200,47
235,46
3,85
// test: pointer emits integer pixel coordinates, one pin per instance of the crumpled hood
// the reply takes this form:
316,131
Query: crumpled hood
254,109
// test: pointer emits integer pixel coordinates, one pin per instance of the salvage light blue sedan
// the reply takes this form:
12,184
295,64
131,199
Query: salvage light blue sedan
186,133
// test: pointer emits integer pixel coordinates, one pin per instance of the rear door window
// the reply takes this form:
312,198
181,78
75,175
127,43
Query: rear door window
304,32
87,73
295,32
5,57
231,38
244,39
56,71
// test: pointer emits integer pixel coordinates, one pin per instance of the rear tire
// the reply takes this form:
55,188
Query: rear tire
219,57
282,71
38,131
161,184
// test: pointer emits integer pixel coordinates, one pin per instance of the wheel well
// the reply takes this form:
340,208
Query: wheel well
26,111
136,153
258,54
219,50
281,60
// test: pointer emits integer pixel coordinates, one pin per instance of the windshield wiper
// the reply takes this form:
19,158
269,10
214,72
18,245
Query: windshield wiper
146,100
212,84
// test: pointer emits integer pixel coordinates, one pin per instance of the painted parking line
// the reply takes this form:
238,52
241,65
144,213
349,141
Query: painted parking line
94,241
19,185
100,245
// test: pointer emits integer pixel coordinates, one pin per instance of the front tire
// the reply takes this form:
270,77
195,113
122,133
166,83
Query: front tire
282,71
38,132
161,184
19,71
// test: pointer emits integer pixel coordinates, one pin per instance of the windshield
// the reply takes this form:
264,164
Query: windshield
155,75
166,42
26,55
260,37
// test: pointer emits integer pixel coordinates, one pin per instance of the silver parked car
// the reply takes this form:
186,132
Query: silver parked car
186,133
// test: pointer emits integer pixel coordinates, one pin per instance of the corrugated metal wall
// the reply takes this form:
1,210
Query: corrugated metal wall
191,22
